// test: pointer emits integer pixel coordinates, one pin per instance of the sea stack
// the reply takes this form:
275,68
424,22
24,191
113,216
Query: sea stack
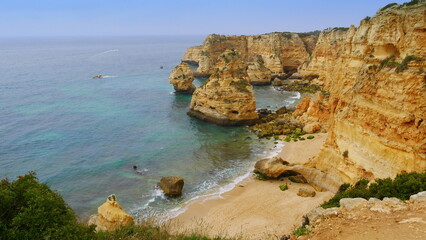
182,77
111,216
227,97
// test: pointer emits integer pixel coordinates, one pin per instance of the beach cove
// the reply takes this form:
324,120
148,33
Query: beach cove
255,209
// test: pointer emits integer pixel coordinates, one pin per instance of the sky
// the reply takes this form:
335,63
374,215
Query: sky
42,18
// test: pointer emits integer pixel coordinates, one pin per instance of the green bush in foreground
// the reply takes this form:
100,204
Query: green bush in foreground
402,187
31,210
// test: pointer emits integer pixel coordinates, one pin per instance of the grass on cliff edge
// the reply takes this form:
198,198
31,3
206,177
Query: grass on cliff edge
403,186
31,210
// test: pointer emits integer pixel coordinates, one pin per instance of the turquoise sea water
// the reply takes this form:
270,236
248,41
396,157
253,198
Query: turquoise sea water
82,135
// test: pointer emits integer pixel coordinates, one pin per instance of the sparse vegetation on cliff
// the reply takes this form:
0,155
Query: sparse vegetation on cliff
402,187
241,85
390,62
388,6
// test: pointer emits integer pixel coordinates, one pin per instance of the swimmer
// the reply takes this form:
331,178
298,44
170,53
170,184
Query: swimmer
135,168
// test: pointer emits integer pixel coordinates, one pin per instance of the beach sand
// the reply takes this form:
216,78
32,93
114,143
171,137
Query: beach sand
255,209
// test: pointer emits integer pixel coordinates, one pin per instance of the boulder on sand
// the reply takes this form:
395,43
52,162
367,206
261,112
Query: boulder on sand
272,167
304,192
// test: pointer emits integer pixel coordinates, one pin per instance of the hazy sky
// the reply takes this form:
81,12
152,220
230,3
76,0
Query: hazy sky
183,17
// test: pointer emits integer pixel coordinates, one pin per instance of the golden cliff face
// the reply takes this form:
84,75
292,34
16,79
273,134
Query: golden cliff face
227,97
192,55
280,52
375,78
182,77
111,216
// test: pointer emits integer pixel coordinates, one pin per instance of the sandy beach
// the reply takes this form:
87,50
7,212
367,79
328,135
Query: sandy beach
255,209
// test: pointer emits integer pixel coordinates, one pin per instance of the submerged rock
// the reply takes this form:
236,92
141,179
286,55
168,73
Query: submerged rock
227,97
111,216
172,186
182,77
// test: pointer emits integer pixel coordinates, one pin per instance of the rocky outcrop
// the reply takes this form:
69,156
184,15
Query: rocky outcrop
193,55
314,112
375,108
111,216
227,97
279,52
259,74
271,167
182,77
172,186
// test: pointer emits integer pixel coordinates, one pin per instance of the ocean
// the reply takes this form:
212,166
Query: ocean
82,135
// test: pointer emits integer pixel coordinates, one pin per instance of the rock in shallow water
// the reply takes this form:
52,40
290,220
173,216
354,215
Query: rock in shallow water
182,77
172,186
227,97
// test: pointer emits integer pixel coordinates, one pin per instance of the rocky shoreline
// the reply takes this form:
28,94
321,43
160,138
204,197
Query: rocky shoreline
351,75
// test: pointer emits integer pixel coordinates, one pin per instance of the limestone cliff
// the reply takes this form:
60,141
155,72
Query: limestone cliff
258,74
227,97
192,55
280,52
182,77
375,86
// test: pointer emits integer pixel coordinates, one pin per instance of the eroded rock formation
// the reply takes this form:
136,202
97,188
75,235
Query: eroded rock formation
227,97
182,77
279,52
111,216
374,75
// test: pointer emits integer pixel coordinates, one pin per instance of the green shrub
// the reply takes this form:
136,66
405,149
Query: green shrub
30,210
404,64
385,62
310,137
388,6
301,231
411,3
402,187
287,139
260,176
344,187
283,187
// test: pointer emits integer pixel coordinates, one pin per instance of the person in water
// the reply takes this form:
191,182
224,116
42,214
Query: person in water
135,168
